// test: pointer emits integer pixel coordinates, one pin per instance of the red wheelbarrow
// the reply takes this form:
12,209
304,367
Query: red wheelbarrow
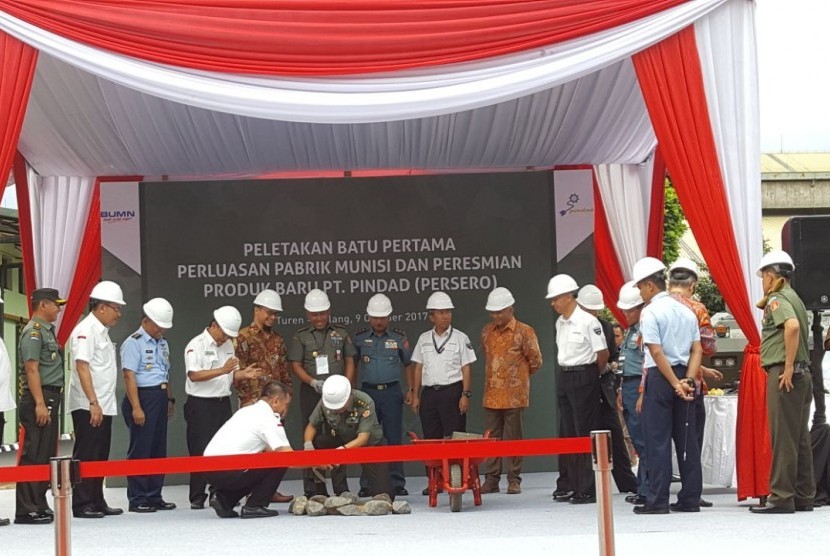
454,475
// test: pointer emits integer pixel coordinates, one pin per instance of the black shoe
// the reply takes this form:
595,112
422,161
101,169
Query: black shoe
33,518
163,506
4,521
401,491
106,510
675,507
87,512
199,503
636,499
425,492
220,509
705,503
250,512
363,493
142,509
583,498
47,511
562,494
804,508
770,509
649,510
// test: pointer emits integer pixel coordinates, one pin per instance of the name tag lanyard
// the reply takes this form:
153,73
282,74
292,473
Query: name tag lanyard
440,349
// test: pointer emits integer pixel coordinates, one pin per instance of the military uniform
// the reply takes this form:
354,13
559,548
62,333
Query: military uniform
336,428
380,361
38,343
265,349
792,484
631,360
321,353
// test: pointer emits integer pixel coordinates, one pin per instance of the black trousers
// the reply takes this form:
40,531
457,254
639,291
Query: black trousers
147,441
91,444
377,474
609,418
308,401
579,406
439,412
204,416
39,444
258,484
2,425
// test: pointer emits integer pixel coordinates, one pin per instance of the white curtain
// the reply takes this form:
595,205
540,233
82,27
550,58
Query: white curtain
626,193
400,96
726,43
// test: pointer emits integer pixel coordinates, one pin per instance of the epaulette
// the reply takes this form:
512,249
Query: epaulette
36,325
304,329
361,331
336,326
136,336
399,331
361,403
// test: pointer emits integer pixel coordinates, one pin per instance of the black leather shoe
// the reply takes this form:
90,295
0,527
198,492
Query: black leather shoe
650,510
250,512
401,491
106,510
198,504
425,492
220,509
163,506
4,521
636,499
33,518
87,512
363,493
675,507
583,498
804,508
48,511
562,494
770,509
705,503
142,509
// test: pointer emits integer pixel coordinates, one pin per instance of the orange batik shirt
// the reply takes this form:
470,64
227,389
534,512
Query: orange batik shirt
266,350
511,355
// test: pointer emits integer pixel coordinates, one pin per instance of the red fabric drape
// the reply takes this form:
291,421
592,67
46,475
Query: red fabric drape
87,269
18,69
670,77
24,215
609,275
325,37
654,247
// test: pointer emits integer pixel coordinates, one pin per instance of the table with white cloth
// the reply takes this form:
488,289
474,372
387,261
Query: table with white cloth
718,456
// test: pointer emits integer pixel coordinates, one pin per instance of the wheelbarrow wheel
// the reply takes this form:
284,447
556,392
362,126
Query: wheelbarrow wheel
455,482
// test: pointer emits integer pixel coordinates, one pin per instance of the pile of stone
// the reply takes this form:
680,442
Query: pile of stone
348,503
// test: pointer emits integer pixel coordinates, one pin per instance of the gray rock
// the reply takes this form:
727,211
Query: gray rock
377,507
350,495
349,509
315,508
382,496
336,502
298,505
401,507
319,498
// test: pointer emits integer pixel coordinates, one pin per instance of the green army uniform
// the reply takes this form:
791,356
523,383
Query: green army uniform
336,428
38,343
792,484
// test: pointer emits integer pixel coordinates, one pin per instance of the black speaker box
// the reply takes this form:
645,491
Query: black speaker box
807,240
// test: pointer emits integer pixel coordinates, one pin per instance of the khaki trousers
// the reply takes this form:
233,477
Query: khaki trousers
505,424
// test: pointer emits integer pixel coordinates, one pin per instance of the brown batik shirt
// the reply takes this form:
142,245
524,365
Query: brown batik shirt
265,349
511,355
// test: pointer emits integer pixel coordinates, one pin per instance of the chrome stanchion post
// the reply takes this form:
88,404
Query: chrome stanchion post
601,452
62,478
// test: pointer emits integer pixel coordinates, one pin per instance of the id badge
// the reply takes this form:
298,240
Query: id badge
322,363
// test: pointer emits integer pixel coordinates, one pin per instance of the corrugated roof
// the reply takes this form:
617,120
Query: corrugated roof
782,163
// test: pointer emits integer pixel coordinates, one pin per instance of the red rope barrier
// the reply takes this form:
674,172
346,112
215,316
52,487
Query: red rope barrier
451,449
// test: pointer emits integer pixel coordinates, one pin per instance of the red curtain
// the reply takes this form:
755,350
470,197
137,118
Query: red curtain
656,218
670,77
609,275
24,215
325,37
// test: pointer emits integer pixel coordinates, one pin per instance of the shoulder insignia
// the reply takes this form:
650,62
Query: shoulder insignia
399,331
366,413
773,305
469,345
34,335
598,330
36,325
304,329
137,335
360,402
81,338
361,331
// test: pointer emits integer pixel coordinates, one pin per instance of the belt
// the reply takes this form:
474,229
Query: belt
383,386
162,386
592,366
442,386
50,388
219,399
626,378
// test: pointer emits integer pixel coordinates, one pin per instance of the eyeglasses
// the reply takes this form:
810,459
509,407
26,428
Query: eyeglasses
116,308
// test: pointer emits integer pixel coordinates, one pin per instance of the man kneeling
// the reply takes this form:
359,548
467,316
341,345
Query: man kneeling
253,429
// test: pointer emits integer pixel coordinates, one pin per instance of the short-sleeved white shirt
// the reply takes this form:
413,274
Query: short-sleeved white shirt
90,342
578,339
249,431
202,354
443,368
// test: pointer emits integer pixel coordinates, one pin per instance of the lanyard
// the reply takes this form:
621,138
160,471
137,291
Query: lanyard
440,349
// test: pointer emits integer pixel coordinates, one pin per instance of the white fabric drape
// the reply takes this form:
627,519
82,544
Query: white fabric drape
626,193
404,95
60,206
726,44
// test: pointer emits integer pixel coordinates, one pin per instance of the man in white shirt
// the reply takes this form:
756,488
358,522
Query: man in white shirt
212,369
253,429
582,353
92,393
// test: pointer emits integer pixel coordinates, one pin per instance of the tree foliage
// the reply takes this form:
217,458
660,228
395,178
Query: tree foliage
674,224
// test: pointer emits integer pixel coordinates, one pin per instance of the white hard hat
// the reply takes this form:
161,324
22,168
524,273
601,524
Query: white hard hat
685,264
108,291
317,301
228,319
500,298
590,297
559,284
645,267
336,392
439,300
775,258
269,299
379,306
160,312
629,296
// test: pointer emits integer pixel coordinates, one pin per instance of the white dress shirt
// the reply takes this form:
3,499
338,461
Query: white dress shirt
249,431
578,339
443,356
90,342
204,354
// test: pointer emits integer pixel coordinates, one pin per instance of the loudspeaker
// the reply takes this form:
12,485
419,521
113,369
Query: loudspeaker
807,240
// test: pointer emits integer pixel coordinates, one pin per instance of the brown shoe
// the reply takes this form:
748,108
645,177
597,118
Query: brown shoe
514,488
490,487
280,498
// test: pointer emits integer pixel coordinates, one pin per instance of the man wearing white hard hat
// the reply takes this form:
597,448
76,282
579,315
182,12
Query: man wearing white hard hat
512,356
672,363
259,344
92,403
582,353
345,418
786,359
316,352
211,370
148,402
590,299
383,361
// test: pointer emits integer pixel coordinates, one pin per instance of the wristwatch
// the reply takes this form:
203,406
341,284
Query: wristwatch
467,394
